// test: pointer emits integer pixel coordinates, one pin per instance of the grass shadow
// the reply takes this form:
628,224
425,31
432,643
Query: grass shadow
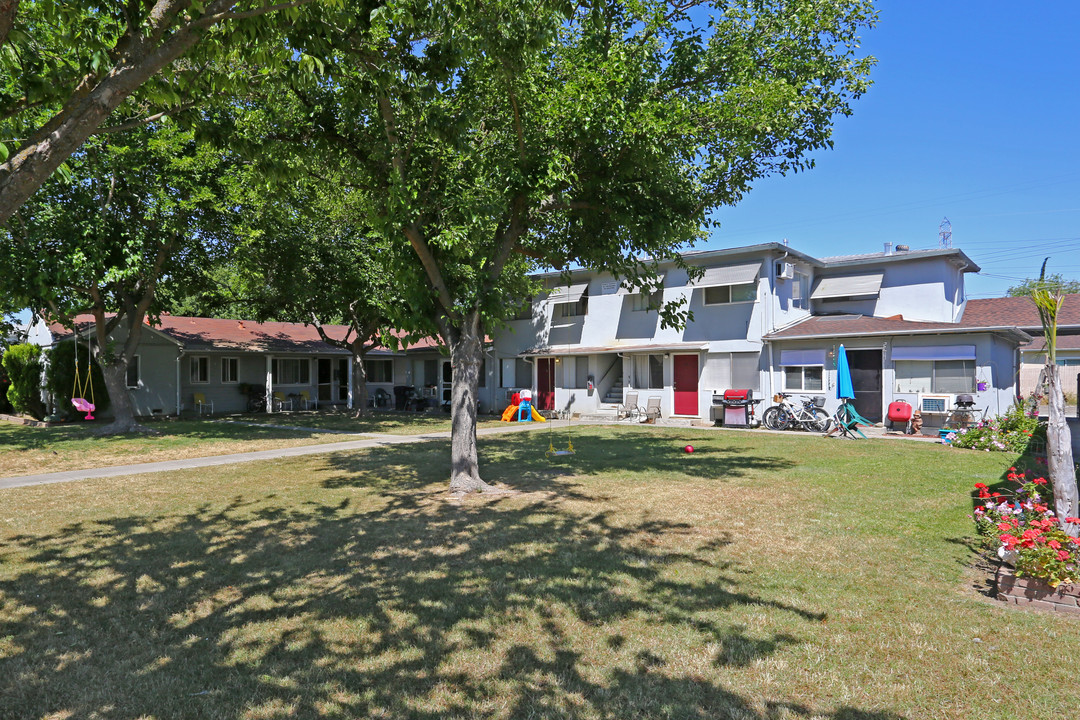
380,598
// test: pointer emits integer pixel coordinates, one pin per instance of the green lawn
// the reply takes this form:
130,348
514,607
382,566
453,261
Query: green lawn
764,577
29,450
380,421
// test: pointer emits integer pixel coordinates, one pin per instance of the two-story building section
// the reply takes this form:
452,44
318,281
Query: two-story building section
765,318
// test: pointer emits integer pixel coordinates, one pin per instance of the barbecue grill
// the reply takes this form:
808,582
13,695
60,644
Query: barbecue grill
734,407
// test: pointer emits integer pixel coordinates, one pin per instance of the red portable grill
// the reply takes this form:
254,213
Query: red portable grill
737,407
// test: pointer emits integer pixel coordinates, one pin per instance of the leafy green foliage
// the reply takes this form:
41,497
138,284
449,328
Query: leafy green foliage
1055,283
23,365
138,207
1016,432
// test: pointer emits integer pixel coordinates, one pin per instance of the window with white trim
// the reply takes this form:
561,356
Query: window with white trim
799,291
935,376
577,309
230,370
291,371
380,371
649,372
803,378
200,369
727,294
133,372
646,302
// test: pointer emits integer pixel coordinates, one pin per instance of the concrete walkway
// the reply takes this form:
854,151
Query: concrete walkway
185,464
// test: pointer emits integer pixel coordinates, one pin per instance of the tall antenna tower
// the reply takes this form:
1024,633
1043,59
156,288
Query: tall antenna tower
944,232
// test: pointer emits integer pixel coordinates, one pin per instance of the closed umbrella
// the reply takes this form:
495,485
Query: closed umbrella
844,388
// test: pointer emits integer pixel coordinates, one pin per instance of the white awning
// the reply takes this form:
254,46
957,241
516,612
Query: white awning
656,281
934,352
802,357
847,286
729,275
570,294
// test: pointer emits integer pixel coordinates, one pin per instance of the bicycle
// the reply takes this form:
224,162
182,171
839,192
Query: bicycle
809,415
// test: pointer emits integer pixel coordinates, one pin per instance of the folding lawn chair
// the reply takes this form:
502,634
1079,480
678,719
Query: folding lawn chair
847,420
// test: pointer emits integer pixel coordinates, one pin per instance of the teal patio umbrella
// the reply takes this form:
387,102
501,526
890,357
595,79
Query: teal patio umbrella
844,388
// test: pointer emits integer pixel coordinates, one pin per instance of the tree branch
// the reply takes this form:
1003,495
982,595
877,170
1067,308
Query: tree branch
8,10
139,122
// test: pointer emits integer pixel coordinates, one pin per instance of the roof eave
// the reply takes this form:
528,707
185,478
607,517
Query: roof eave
1008,331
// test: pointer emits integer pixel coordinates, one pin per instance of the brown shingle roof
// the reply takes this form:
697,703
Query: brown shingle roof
851,325
1017,311
205,334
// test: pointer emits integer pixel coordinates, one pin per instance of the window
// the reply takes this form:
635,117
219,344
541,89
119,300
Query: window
1068,362
564,311
724,294
133,372
649,372
645,302
523,371
935,376
581,367
200,369
525,312
291,371
380,371
230,370
744,370
803,378
799,293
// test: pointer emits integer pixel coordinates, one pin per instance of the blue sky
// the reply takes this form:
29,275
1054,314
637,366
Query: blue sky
974,114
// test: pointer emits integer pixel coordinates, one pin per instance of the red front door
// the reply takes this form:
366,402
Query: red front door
686,385
545,384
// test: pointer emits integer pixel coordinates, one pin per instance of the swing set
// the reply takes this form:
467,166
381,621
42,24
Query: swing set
82,384
551,451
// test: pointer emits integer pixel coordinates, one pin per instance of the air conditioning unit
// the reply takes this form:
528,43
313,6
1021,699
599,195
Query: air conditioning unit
785,271
935,403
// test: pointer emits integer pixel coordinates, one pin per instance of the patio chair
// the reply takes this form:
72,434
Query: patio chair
847,421
652,409
629,407
307,400
282,401
202,405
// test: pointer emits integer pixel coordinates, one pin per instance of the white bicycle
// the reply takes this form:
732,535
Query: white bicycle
806,414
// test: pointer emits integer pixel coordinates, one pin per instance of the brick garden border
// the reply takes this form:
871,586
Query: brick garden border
1037,594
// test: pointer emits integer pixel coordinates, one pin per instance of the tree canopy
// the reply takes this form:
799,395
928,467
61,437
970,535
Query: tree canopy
486,141
67,65
1055,283
138,209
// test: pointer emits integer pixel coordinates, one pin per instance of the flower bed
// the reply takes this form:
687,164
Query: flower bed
1037,594
1022,527
1015,431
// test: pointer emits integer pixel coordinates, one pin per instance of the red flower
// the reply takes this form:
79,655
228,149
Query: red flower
980,485
1054,544
1072,520
1039,481
983,493
1009,541
1004,526
1063,555
1040,508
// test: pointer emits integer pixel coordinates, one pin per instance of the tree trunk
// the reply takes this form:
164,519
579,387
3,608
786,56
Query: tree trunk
359,380
114,372
467,358
1059,455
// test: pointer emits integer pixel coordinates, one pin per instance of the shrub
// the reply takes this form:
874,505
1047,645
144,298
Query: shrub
23,365
1021,522
1014,431
60,377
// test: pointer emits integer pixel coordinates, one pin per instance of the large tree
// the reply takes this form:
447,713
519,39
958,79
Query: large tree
138,209
67,65
308,256
489,140
1054,282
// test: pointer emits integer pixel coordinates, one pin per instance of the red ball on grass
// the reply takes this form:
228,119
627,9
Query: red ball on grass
689,448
